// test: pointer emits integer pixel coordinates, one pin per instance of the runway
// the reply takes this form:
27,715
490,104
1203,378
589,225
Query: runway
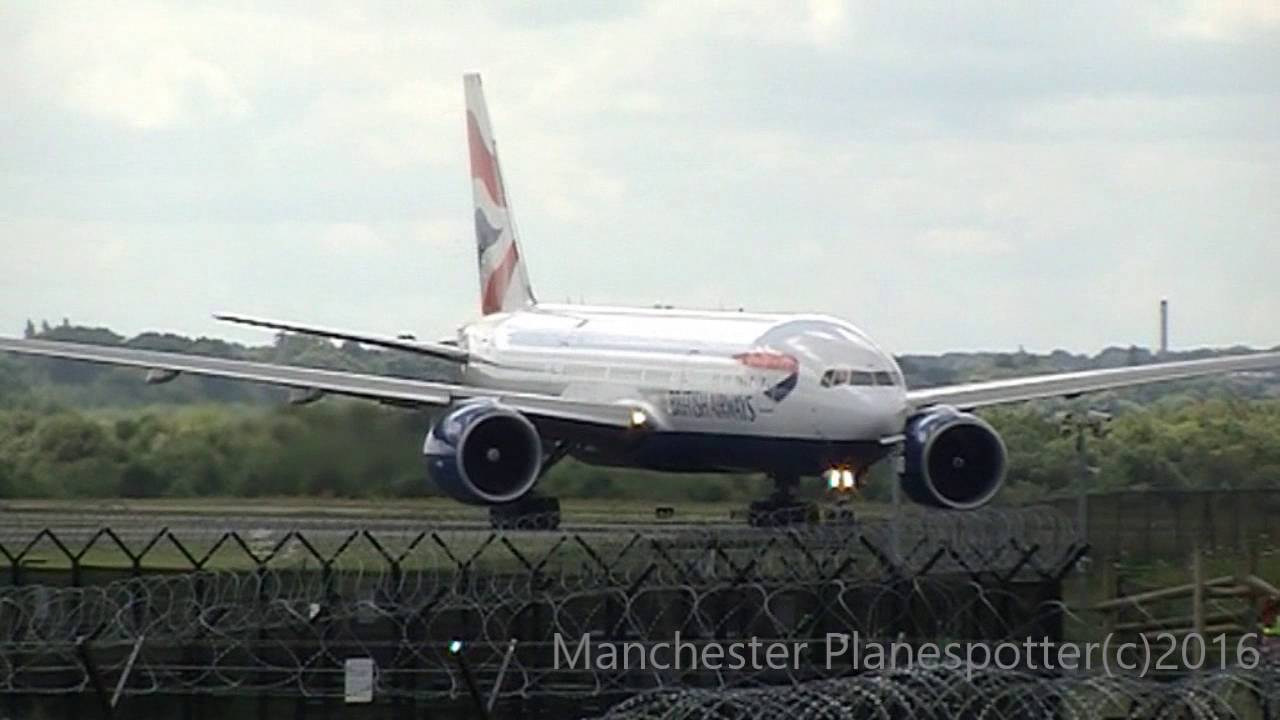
331,524
21,524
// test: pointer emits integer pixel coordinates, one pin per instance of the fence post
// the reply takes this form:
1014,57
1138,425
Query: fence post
1197,596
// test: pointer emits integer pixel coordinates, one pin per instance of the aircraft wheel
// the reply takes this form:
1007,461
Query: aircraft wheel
537,512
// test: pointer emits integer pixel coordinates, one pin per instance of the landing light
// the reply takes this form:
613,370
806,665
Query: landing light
841,479
638,418
455,647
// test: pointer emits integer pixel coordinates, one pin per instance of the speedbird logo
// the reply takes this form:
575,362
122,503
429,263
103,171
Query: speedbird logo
771,360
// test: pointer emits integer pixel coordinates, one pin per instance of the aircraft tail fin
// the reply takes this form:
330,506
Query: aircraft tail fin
504,279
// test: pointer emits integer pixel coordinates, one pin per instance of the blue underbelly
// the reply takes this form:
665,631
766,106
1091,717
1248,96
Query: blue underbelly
716,452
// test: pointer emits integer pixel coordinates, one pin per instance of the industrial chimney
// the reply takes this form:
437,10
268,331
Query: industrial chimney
1164,326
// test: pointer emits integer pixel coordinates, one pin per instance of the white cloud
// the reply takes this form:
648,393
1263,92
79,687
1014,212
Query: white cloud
828,21
1225,20
310,162
351,239
963,242
128,67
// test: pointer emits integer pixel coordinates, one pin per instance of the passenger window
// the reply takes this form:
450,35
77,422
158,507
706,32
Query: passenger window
624,374
657,377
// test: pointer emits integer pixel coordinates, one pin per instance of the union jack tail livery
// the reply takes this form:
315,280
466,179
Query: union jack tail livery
504,281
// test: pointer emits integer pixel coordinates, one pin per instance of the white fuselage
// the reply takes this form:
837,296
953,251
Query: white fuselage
709,374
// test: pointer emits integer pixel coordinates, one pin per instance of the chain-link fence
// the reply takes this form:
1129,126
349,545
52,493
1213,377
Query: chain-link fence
123,616
460,621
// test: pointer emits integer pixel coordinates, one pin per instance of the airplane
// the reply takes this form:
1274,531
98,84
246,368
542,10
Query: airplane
787,395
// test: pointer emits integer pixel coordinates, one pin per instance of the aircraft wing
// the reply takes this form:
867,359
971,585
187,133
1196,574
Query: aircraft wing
362,385
1070,384
444,352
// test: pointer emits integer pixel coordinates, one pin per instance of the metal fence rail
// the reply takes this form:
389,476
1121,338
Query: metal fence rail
1169,523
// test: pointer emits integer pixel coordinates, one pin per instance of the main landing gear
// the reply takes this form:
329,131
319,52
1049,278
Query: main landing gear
782,508
531,512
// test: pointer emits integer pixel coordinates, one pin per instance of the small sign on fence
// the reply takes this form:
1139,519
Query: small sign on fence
359,680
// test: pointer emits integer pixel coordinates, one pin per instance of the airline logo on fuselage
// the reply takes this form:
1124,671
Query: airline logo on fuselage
740,407
712,405
771,360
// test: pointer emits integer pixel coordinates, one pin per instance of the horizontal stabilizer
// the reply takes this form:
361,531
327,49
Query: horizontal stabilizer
443,352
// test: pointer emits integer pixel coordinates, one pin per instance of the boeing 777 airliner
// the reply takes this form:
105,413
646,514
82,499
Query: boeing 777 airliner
791,396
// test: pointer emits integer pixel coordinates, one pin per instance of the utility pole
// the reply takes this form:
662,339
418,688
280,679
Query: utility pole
1083,425
1082,484
895,488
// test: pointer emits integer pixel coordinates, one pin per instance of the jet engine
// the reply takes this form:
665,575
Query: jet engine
484,453
952,459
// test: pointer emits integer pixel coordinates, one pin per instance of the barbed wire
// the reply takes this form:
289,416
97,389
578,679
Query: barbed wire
292,642
990,693
277,612
279,615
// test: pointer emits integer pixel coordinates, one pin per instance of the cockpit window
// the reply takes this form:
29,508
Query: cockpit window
847,376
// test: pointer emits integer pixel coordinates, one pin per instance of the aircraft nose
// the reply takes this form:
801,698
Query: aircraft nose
875,414
891,415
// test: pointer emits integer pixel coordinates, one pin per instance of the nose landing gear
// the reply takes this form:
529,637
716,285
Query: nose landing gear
782,508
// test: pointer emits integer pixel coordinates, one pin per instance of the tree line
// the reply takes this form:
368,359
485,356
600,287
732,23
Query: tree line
77,430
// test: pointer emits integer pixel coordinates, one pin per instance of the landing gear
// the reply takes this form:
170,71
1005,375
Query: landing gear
531,512
841,514
782,508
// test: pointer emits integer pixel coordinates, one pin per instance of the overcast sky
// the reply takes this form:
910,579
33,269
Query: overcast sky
946,177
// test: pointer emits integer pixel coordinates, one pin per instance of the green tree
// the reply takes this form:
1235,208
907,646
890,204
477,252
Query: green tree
139,481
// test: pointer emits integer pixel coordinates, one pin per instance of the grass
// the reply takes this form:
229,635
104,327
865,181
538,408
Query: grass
165,555
359,555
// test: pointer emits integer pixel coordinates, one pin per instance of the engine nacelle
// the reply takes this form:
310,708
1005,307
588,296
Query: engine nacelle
952,459
484,453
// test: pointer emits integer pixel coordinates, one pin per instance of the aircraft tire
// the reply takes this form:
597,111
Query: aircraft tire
533,512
